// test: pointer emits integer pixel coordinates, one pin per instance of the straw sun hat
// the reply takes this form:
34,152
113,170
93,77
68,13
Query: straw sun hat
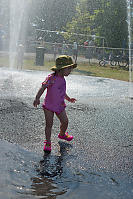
63,61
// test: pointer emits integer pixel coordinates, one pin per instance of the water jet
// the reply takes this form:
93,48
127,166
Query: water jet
130,44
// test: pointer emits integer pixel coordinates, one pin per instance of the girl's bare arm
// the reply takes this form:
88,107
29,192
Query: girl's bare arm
38,95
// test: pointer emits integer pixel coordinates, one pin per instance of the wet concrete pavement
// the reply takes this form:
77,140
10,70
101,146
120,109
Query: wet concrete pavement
97,164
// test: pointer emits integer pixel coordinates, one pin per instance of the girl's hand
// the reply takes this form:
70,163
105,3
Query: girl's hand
36,102
72,100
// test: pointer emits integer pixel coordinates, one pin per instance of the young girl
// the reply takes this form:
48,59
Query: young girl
54,99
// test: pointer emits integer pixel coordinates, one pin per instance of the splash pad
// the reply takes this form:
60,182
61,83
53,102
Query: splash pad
98,164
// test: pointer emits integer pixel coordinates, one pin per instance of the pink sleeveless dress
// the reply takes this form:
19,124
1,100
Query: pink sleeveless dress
56,91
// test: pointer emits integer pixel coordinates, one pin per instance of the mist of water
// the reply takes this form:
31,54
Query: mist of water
18,21
18,26
129,18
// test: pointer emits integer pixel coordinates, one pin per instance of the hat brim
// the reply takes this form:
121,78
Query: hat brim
54,68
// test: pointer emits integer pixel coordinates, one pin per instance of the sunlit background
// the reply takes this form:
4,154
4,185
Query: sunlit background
98,34
35,32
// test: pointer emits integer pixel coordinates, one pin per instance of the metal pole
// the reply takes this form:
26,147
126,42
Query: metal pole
129,3
103,47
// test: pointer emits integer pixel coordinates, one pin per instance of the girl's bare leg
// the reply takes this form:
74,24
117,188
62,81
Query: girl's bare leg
49,115
64,122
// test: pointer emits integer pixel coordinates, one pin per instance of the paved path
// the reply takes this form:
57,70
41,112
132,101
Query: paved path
98,163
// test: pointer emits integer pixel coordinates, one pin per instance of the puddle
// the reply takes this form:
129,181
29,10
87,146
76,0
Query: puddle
25,174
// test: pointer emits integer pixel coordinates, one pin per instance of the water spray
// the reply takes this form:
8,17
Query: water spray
129,17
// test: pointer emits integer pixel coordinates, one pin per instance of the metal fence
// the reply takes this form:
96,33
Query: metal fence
90,54
83,53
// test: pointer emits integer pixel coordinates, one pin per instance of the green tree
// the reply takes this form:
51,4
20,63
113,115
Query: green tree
110,22
104,18
80,24
51,15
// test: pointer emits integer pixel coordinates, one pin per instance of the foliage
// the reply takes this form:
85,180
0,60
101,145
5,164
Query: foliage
104,18
51,15
110,22
80,24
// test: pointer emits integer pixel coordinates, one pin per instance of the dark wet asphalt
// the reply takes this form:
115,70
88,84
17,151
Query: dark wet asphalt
97,164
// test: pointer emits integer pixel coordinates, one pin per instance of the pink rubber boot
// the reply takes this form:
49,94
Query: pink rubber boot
47,146
66,137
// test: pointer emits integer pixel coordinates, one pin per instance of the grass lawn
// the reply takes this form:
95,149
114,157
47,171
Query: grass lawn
107,72
82,69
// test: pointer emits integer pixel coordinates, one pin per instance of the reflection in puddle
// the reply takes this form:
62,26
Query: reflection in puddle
26,176
51,181
45,187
